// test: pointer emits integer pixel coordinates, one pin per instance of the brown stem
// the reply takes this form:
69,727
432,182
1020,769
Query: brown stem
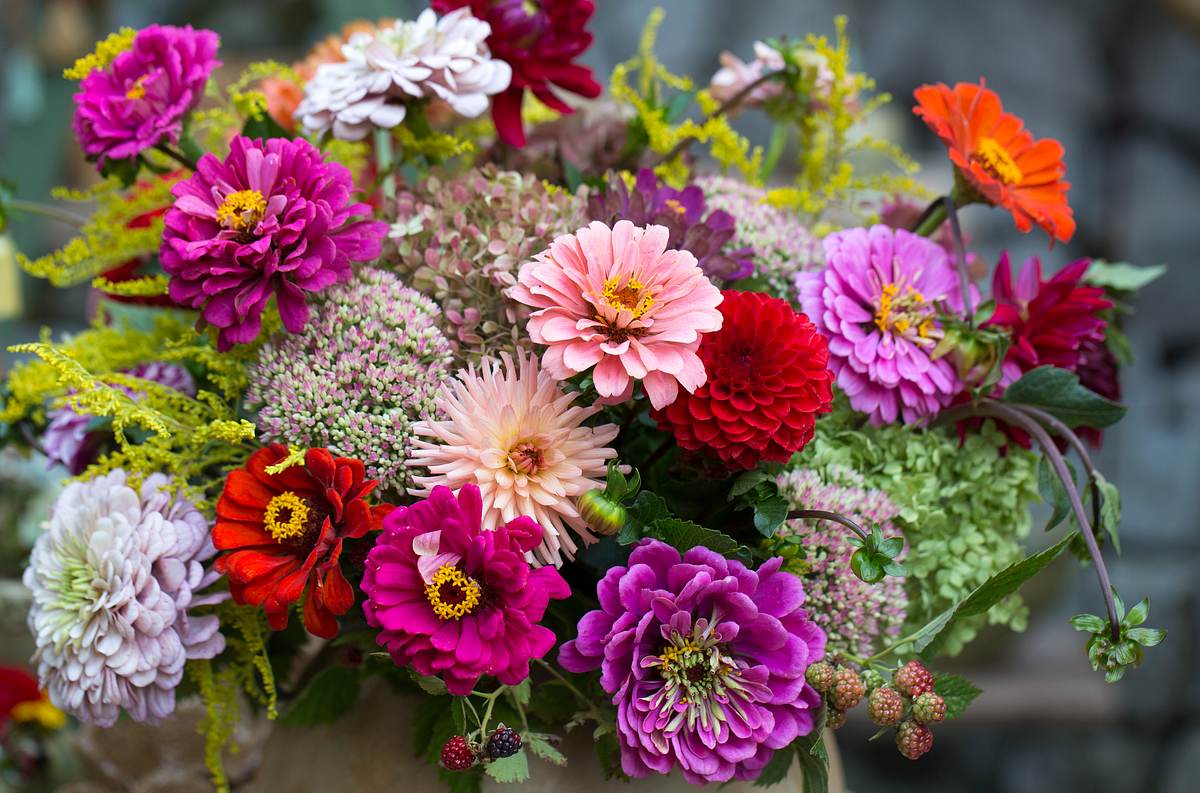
726,106
1061,428
821,514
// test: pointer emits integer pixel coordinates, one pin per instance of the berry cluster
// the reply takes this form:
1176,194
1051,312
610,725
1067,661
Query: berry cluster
909,704
461,754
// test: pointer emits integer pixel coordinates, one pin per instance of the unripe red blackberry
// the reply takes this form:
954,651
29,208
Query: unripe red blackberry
457,754
929,708
885,706
848,689
834,718
913,679
504,742
820,676
913,740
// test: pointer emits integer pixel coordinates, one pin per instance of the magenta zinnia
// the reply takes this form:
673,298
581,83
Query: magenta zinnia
273,219
140,99
455,600
704,659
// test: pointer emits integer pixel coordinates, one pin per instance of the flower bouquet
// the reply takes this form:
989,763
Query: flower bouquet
587,415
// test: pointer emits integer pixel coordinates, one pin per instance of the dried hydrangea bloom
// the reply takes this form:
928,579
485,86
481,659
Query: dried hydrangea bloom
855,615
369,364
112,578
462,241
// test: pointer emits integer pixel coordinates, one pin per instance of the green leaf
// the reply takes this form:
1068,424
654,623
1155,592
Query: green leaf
748,481
814,761
1089,623
1110,509
990,592
572,175
509,769
647,508
891,547
1051,489
431,685
1059,393
775,148
458,711
331,693
866,566
777,769
678,106
957,691
540,747
264,127
520,692
984,312
126,170
1147,637
685,535
770,514
1137,615
1122,276
462,781
429,711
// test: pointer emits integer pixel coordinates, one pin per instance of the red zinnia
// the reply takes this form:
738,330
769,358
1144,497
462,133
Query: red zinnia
768,378
285,532
1050,320
998,157
539,39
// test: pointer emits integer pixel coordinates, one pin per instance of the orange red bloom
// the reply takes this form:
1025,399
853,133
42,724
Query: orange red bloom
285,531
998,157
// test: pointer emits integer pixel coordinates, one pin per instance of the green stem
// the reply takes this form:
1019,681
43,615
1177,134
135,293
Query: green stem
177,156
44,210
560,678
383,161
729,104
932,219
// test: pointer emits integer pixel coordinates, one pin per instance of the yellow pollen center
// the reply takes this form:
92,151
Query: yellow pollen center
996,160
673,654
677,207
137,90
452,594
286,516
630,296
242,210
526,458
901,312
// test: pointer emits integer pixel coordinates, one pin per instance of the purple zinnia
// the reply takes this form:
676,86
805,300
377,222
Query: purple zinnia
879,301
273,219
140,100
704,659
682,212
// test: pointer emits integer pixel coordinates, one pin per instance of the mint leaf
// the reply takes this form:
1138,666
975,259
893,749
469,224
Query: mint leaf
957,691
1059,393
330,694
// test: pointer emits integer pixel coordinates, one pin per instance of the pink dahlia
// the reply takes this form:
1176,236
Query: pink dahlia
140,100
273,219
878,301
455,600
617,300
513,433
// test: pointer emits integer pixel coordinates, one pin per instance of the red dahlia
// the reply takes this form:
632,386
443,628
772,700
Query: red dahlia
768,378
540,40
284,533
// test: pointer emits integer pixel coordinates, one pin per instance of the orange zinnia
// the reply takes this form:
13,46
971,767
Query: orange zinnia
998,157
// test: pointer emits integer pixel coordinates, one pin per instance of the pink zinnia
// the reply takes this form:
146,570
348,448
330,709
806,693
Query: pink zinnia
273,219
617,300
879,301
140,100
453,599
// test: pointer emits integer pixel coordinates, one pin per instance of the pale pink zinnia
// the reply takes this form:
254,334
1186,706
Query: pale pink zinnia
618,300
510,430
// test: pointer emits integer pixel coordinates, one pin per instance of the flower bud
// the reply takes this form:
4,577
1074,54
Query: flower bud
602,515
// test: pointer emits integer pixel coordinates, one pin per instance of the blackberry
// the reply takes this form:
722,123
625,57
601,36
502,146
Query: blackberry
913,740
848,689
929,708
504,742
820,676
885,706
913,679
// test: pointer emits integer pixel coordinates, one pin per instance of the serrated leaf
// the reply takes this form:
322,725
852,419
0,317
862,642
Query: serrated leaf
990,592
645,509
540,747
1110,509
509,770
957,691
1122,276
431,685
814,761
770,514
685,535
776,770
1059,392
330,694
1051,489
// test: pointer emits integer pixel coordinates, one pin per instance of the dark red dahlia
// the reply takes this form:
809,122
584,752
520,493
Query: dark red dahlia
1098,371
540,40
768,378
1050,321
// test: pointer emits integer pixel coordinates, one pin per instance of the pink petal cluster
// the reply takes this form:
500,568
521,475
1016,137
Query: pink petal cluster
140,100
735,76
617,300
455,600
272,219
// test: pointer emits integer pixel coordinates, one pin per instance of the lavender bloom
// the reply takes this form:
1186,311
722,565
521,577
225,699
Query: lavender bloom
704,659
367,367
853,613
140,100
112,578
682,212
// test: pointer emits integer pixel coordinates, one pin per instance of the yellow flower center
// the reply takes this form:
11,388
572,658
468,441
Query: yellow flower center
901,312
675,206
137,90
242,210
996,160
631,296
526,458
286,517
452,594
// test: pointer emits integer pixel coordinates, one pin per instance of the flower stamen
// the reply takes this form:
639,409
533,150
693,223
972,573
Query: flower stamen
241,211
452,594
286,517
996,160
631,296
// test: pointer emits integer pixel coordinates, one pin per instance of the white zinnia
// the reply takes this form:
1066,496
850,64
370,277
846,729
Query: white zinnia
112,578
442,58
513,432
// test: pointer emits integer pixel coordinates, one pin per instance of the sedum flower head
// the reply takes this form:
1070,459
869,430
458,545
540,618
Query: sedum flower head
112,579
369,365
462,241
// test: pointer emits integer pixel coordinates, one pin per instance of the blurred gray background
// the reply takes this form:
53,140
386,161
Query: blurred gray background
1114,80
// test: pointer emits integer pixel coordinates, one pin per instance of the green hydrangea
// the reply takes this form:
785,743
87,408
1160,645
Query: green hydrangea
963,508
